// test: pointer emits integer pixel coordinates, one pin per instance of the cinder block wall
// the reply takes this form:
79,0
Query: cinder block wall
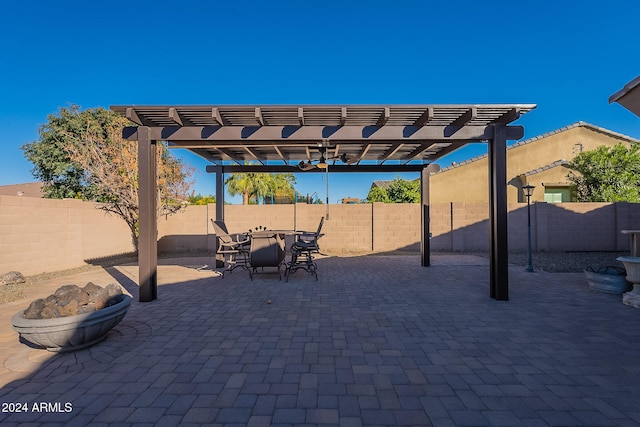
43,235
185,231
395,227
463,227
347,230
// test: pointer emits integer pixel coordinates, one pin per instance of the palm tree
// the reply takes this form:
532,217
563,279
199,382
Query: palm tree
282,184
255,186
240,183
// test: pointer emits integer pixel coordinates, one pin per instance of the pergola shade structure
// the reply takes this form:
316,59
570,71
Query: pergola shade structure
377,138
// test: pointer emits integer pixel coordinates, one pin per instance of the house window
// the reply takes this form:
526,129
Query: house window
557,194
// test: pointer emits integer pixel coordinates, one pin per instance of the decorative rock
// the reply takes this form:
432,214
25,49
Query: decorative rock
35,309
12,278
71,300
67,308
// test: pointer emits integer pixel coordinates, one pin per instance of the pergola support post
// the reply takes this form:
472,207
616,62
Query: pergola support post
219,193
499,256
219,171
147,220
425,243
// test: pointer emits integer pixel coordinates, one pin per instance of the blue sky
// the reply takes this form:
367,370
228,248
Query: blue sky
567,57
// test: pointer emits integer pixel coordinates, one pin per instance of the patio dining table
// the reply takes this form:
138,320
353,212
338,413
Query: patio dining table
268,248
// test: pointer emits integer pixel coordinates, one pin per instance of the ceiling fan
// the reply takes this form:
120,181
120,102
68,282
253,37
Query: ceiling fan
322,162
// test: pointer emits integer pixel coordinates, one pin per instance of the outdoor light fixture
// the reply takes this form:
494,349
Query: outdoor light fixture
305,166
528,191
322,164
347,159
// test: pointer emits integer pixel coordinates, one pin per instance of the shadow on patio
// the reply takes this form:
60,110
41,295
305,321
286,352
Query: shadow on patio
377,340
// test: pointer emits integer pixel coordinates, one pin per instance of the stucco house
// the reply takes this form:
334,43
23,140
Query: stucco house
540,161
27,189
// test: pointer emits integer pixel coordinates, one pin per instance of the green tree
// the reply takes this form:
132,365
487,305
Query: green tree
378,194
254,187
199,199
607,174
282,185
61,176
399,191
403,191
82,154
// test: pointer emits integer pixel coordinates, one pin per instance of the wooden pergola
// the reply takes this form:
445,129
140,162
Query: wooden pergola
276,138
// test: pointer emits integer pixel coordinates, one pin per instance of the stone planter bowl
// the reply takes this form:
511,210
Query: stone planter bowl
611,280
73,332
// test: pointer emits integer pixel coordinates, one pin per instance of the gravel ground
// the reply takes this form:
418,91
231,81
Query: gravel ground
556,262
568,262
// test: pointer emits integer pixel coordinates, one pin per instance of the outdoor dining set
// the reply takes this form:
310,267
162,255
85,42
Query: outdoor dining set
259,248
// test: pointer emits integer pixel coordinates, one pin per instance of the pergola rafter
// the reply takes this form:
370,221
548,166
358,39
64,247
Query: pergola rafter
379,138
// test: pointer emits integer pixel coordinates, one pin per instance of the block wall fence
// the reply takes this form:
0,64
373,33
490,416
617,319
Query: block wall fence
45,235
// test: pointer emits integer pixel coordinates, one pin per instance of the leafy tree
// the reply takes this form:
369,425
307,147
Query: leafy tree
255,186
89,160
399,191
403,191
199,199
607,174
378,194
283,185
61,176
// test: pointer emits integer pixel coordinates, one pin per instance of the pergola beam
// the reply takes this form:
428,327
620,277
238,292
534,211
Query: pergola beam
421,149
424,118
254,154
259,117
363,152
384,117
461,122
313,134
131,114
391,151
267,168
230,155
277,150
175,116
215,115
509,116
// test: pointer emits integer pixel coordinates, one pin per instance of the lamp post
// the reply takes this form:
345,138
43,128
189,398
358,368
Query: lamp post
528,191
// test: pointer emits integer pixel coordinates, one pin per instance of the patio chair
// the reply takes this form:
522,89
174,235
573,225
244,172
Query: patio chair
302,251
234,248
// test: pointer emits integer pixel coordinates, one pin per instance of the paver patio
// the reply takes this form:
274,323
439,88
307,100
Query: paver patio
377,340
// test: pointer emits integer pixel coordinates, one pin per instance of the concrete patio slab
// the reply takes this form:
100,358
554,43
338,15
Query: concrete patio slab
377,340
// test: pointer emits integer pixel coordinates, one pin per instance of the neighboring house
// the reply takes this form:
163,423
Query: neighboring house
29,189
539,161
380,184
